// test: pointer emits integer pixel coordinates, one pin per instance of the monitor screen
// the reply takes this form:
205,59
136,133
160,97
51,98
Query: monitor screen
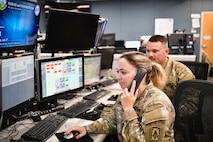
17,80
132,44
107,56
180,39
70,31
19,22
181,43
100,30
107,39
59,75
92,69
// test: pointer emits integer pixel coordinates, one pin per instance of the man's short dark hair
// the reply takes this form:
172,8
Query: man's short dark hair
156,38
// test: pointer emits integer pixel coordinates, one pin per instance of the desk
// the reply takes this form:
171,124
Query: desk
15,131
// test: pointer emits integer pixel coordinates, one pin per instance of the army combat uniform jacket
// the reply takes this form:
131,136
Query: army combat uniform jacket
151,119
176,72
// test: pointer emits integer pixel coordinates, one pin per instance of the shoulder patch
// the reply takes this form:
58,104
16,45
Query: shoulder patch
155,134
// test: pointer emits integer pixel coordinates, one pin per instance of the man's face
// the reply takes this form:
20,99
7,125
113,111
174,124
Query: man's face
157,52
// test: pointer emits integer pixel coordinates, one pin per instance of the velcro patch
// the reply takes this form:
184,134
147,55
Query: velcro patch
155,134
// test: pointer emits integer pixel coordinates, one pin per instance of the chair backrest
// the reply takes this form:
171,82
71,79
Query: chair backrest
199,69
193,102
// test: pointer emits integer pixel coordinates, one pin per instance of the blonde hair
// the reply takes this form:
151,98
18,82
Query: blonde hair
155,72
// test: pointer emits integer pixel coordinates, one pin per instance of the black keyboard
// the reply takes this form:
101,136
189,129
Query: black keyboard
108,82
78,108
97,94
45,128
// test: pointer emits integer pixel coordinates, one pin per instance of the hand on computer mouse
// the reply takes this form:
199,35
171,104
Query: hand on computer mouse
78,131
71,135
68,136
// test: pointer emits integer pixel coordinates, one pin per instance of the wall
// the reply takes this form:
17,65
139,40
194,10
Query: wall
130,19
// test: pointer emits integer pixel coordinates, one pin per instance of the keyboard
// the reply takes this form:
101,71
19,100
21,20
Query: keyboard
108,82
78,108
97,94
45,128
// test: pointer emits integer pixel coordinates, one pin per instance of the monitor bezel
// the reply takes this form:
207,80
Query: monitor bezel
39,96
102,23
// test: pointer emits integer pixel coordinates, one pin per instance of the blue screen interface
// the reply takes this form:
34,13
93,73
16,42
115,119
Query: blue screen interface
19,22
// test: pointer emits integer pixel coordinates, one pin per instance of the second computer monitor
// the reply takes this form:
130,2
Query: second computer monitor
58,76
92,69
107,56
107,39
17,86
17,80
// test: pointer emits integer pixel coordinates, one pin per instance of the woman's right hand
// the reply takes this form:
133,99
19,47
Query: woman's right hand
81,129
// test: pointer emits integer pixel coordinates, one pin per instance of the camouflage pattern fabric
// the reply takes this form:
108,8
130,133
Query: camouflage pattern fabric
176,72
205,58
151,119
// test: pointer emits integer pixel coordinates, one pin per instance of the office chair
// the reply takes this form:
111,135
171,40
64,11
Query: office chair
199,69
193,102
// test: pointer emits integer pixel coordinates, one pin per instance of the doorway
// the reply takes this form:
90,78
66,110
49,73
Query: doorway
206,42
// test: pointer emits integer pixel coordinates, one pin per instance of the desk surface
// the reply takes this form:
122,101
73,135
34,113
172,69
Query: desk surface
15,131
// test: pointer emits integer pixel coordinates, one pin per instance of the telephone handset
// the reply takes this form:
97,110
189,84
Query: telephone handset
138,78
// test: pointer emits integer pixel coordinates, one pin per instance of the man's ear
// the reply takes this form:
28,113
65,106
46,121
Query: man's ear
167,50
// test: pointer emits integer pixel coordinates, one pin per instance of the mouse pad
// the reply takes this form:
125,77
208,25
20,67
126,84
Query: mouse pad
61,138
89,117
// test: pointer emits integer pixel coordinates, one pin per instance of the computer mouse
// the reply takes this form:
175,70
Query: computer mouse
72,135
101,106
69,136
90,113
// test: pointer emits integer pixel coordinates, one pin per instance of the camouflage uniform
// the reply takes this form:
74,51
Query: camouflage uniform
176,72
151,119
206,58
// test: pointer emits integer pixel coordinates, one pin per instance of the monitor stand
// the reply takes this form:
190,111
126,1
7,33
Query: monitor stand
45,105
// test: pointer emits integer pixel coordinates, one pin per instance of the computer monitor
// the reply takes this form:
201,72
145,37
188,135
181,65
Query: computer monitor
183,43
92,69
107,40
17,79
19,22
58,76
107,56
102,22
17,84
132,44
70,31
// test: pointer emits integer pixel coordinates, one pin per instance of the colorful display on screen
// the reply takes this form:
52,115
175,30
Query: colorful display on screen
18,24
